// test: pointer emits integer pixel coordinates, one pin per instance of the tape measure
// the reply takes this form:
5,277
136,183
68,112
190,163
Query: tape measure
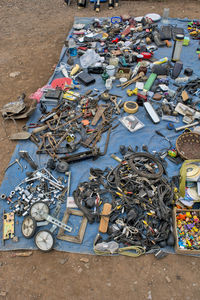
130,107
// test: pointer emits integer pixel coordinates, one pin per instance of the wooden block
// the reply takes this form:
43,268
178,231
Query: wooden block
184,96
103,226
98,115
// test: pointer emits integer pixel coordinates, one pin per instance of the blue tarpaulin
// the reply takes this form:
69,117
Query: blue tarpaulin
80,170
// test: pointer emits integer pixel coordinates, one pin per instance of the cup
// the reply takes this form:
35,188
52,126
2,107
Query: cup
108,84
110,69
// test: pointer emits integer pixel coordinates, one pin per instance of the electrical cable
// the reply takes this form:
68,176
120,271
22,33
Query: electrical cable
126,251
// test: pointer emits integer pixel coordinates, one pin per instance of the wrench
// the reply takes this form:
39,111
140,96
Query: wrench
14,162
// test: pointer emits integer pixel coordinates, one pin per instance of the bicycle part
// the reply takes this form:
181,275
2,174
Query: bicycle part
38,209
44,240
29,226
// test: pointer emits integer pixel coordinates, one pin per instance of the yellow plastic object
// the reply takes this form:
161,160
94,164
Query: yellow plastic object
195,32
70,95
105,35
161,61
186,41
130,107
74,70
132,92
183,173
70,138
8,225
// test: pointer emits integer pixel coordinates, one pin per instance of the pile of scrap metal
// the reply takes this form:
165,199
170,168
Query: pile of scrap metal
139,198
18,110
65,128
137,195
33,198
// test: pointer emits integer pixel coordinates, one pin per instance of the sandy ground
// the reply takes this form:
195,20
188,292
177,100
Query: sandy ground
32,34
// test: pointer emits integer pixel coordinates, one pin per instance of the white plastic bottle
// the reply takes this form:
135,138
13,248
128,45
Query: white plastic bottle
72,46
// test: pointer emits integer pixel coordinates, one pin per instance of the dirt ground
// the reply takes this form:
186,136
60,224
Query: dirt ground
32,35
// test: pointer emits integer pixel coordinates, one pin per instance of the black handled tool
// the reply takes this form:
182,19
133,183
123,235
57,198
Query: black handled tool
26,156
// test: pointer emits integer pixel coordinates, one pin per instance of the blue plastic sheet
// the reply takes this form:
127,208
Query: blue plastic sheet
80,170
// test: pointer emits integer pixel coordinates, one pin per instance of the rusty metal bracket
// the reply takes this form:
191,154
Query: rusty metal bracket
98,115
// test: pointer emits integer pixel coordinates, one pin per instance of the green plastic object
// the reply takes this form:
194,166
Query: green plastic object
150,81
186,41
105,76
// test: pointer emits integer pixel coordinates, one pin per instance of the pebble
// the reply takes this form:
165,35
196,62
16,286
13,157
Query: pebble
14,74
85,260
108,284
149,297
194,284
15,239
63,261
1,263
167,279
80,270
87,266
3,293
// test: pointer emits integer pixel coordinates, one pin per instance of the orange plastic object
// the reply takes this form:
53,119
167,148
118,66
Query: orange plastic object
60,82
168,43
85,122
181,217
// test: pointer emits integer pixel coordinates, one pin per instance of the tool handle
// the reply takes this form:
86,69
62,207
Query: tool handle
159,133
29,160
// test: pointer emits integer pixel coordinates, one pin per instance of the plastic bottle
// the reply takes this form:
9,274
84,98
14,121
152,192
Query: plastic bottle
72,46
176,53
165,16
